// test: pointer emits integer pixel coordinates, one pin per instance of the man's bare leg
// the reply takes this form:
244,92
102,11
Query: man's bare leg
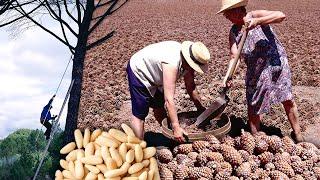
254,120
293,117
137,126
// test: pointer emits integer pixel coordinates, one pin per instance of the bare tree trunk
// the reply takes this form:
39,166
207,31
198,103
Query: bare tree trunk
77,74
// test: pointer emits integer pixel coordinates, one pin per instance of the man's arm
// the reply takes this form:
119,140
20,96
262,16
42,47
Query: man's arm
50,101
169,85
192,91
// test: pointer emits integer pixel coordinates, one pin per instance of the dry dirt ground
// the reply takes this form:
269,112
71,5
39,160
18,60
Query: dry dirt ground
105,100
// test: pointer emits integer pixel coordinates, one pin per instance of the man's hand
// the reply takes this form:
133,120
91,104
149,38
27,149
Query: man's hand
178,134
54,116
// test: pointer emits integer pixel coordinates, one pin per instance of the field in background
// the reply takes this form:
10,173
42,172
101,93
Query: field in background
105,100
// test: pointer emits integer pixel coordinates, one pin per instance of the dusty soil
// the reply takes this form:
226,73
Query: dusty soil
105,100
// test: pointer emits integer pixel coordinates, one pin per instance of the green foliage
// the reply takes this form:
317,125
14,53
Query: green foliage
21,152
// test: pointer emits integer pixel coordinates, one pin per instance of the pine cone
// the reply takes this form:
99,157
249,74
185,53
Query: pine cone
308,175
200,145
214,156
288,144
296,150
211,139
254,161
185,160
298,166
259,173
307,154
308,146
286,156
192,155
224,166
295,158
244,170
227,140
266,157
202,159
164,155
214,147
222,175
231,155
247,141
284,167
198,172
237,142
270,166
184,149
278,157
213,166
181,172
172,166
316,171
166,174
261,145
180,158
275,144
309,164
278,175
244,154
297,177
233,178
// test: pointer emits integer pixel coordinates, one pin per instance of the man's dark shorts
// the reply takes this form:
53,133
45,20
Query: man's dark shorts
141,99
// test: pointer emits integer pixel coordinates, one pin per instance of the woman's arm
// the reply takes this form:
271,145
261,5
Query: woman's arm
263,17
233,53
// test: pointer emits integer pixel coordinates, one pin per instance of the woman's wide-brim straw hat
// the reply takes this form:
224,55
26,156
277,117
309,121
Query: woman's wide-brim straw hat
230,4
197,55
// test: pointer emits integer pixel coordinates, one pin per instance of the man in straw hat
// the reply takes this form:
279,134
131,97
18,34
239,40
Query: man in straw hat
152,75
268,76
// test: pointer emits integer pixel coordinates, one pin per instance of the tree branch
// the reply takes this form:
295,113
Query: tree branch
59,18
69,14
78,11
12,21
103,4
108,12
101,40
63,31
42,27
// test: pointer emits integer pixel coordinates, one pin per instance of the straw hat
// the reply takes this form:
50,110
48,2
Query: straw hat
196,54
230,4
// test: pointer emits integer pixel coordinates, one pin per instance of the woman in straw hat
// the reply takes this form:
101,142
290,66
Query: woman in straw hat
152,74
268,77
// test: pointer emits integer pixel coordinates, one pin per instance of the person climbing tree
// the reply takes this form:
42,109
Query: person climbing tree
46,117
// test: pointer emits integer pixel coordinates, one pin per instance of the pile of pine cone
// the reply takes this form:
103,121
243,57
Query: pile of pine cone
243,157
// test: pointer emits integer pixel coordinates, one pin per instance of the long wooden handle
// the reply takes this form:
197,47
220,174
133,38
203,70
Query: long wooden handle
236,59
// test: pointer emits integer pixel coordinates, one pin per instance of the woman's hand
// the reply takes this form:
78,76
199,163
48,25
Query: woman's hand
263,17
178,133
251,21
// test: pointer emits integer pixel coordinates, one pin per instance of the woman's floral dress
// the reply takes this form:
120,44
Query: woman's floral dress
268,77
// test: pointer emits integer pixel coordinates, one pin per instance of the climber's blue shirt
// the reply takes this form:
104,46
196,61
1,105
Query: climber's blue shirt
45,114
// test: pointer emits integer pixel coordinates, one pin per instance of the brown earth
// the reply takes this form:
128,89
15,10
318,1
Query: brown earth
105,100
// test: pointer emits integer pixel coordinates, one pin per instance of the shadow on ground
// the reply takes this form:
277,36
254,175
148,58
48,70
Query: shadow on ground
238,123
